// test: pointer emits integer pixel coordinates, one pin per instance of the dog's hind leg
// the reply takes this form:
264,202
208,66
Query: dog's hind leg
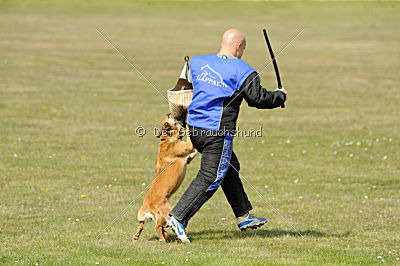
165,210
167,237
160,233
163,235
162,216
139,231
141,218
160,221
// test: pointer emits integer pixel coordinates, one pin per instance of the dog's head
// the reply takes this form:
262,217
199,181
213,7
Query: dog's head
171,128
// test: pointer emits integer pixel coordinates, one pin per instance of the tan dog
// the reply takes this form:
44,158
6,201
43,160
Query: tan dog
173,156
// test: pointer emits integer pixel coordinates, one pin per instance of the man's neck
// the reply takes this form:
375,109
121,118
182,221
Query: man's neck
225,52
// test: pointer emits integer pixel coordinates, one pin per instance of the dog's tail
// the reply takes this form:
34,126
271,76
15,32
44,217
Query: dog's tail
148,216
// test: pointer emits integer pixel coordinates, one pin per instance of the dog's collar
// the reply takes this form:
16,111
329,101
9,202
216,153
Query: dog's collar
169,140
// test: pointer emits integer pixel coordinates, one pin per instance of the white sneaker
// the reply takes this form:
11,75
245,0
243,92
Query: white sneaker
179,229
250,221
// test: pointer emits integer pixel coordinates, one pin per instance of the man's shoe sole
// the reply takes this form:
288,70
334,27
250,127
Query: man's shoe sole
254,227
186,241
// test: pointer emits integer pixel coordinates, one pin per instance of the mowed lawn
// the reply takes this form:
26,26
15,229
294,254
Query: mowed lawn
70,161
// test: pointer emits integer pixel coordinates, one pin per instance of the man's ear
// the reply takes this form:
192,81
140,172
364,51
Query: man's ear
239,46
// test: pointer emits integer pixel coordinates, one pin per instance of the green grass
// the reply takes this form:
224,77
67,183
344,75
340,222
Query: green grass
69,107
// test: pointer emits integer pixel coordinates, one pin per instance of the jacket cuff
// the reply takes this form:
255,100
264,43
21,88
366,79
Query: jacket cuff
282,96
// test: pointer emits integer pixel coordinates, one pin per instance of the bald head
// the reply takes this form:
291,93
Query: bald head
233,42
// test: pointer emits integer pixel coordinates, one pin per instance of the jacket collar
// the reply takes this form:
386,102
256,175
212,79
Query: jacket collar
226,56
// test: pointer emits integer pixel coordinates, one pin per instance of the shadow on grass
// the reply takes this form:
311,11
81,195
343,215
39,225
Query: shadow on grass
221,234
213,234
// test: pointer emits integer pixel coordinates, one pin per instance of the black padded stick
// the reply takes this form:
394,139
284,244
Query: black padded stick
278,77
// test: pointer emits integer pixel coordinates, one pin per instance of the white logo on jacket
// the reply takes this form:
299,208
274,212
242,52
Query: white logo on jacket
211,76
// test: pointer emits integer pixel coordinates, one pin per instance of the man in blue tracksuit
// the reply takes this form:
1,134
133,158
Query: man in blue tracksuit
220,82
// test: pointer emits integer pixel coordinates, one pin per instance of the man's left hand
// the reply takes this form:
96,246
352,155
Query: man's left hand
284,91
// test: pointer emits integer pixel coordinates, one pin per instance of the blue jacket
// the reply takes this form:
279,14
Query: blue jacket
219,85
